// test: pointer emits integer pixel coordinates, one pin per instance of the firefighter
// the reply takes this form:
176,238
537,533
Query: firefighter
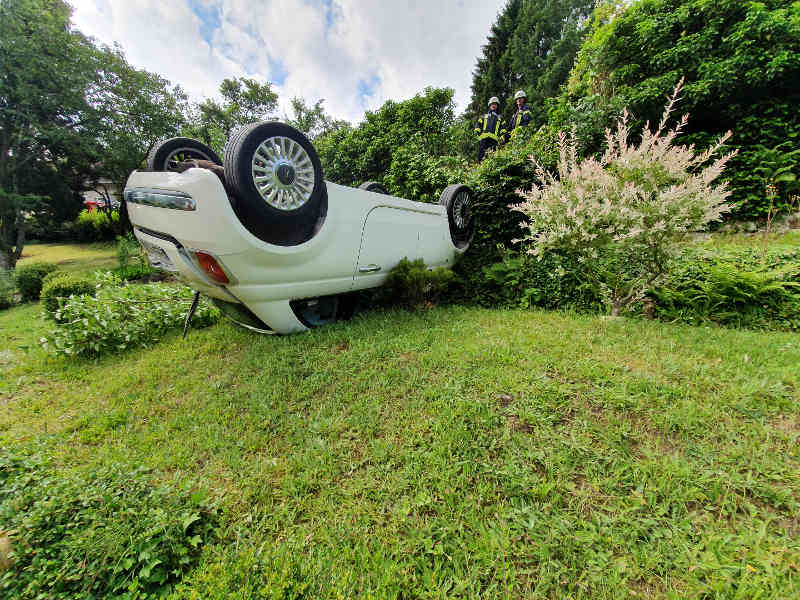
490,129
522,117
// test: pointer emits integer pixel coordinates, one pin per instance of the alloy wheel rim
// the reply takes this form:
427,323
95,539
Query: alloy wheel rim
283,173
461,212
179,155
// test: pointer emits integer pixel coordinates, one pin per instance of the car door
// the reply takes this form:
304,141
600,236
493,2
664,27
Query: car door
389,235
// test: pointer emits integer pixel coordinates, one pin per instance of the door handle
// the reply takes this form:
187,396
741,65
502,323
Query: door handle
369,269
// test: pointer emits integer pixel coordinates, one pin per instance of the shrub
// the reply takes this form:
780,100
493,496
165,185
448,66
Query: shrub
132,261
95,226
63,285
523,281
29,279
113,533
8,289
412,284
128,250
730,288
620,218
117,318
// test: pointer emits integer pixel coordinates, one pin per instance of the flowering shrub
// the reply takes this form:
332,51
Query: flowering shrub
121,317
620,217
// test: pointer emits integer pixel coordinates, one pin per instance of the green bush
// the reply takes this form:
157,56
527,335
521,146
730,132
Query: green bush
118,318
412,284
134,272
63,285
8,289
95,226
97,535
53,275
29,279
732,288
522,281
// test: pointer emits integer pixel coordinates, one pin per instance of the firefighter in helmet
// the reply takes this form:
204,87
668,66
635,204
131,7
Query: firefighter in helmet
522,117
491,128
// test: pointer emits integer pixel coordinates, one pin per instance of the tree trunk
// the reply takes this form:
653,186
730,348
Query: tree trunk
7,261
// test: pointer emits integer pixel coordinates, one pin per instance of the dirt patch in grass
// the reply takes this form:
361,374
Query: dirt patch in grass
788,424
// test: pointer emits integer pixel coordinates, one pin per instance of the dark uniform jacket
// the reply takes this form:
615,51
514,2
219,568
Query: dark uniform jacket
521,118
491,126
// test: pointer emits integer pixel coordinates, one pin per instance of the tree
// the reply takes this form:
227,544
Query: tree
243,101
69,112
353,155
531,46
741,61
45,68
134,109
543,47
312,120
493,75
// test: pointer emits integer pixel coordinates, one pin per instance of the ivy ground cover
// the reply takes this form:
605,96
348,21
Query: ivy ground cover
451,453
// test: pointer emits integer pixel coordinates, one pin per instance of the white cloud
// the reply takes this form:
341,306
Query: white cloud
333,49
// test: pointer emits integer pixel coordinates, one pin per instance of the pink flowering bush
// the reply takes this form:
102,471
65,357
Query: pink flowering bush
622,216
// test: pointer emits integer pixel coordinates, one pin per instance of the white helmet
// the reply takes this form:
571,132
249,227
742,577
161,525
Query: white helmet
493,100
520,94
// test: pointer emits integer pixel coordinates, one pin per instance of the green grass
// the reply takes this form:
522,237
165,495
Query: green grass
85,258
779,242
452,453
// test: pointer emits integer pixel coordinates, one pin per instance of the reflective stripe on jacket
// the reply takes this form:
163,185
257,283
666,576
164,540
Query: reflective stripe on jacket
521,118
491,126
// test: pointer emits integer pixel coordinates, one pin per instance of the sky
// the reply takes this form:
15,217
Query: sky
354,54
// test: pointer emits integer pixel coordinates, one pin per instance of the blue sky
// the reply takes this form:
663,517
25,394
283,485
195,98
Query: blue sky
355,54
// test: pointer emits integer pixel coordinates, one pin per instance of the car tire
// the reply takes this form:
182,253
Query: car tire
458,200
373,186
276,176
166,155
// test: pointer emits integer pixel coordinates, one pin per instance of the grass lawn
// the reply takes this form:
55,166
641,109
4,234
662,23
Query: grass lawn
451,453
85,258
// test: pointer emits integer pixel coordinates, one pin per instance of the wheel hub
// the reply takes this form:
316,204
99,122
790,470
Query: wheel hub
283,173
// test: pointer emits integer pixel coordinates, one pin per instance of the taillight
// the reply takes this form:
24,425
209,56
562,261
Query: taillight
211,267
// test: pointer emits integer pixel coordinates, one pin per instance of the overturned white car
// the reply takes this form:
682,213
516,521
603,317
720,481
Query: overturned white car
276,247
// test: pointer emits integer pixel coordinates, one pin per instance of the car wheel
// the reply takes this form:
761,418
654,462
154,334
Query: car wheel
276,176
167,155
373,186
458,200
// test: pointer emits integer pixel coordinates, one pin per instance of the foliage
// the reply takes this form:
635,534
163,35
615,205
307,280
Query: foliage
417,175
244,100
71,112
493,74
8,289
100,534
353,155
413,285
129,250
620,217
497,181
95,226
531,46
61,285
312,120
741,61
524,281
29,279
732,288
122,317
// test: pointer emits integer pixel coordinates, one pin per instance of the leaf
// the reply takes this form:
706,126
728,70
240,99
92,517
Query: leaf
187,522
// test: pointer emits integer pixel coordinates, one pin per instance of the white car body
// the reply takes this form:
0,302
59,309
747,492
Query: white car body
364,234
